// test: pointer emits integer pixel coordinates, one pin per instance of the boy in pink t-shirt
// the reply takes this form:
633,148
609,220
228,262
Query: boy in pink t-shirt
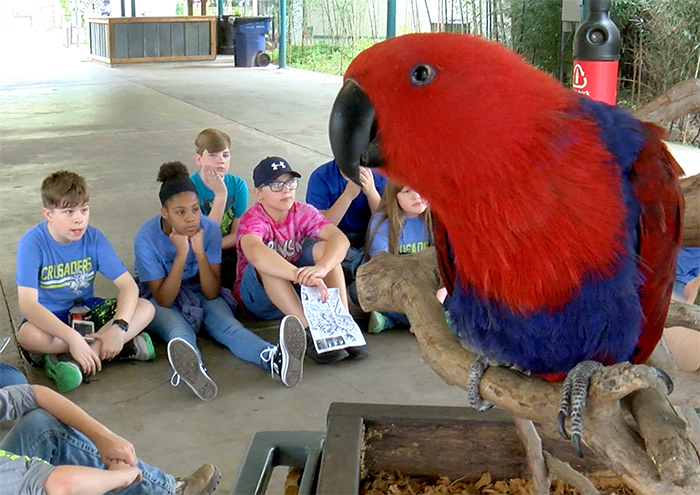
283,244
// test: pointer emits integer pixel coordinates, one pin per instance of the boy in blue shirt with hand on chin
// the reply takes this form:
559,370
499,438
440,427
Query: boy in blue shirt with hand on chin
223,197
57,262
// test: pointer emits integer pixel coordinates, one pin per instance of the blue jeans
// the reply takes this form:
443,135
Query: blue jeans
253,296
219,321
39,434
9,375
396,318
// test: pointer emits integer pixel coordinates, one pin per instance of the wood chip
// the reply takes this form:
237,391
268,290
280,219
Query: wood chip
398,484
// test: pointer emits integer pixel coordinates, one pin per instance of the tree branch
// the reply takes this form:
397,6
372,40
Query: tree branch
408,283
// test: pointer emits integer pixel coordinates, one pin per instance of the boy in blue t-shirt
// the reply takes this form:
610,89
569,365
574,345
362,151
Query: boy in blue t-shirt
57,261
347,206
223,197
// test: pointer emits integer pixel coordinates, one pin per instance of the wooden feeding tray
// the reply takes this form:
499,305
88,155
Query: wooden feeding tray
363,440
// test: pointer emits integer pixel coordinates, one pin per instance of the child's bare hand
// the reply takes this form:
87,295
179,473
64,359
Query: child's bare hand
322,289
367,179
307,274
213,179
310,276
197,241
180,241
116,449
84,355
111,342
352,189
131,474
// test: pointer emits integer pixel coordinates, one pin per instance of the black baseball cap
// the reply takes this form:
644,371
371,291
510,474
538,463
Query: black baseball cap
269,169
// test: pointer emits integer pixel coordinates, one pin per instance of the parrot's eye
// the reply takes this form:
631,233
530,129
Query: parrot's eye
422,74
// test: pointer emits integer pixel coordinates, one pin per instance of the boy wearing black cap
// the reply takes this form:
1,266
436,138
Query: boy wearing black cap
272,259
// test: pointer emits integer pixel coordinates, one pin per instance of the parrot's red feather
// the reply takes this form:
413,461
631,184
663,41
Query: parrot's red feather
655,186
511,172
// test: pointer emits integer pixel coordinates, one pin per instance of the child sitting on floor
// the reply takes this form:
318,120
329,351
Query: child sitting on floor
57,261
178,256
401,225
283,244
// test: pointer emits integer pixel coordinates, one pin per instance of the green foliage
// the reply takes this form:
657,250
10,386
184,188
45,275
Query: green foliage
660,38
65,5
323,57
534,33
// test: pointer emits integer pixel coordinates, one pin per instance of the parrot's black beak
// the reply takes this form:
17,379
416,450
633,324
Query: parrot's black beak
352,131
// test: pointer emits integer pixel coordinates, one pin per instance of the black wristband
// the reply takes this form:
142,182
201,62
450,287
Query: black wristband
123,324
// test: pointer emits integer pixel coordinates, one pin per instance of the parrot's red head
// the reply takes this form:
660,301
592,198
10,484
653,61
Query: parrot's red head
487,140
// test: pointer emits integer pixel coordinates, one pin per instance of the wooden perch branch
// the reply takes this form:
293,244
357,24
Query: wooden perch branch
691,217
677,102
408,284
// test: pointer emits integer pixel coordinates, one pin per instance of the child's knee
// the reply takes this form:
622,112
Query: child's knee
29,335
145,309
317,250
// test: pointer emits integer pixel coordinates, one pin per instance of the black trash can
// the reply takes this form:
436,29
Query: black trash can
224,35
249,36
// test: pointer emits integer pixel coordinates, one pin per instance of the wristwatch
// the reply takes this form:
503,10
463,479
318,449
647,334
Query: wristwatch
123,324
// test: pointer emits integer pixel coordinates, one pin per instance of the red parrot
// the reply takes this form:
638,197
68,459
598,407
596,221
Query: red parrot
558,218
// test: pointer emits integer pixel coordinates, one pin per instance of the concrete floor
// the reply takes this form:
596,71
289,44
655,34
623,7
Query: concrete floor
115,126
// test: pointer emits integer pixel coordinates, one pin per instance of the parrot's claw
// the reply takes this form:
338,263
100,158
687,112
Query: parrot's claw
475,373
664,378
573,401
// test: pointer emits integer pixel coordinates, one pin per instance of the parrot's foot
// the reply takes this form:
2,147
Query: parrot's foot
573,400
664,378
473,395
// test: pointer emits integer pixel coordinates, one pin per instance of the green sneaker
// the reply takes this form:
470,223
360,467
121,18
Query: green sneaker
378,322
144,344
140,348
63,371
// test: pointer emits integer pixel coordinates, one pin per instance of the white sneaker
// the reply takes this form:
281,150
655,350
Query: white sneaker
187,365
287,358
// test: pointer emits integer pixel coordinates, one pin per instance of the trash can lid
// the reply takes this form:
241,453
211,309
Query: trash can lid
241,20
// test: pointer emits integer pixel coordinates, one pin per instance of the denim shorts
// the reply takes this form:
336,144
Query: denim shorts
253,296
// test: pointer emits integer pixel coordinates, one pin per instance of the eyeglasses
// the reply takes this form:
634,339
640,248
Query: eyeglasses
277,186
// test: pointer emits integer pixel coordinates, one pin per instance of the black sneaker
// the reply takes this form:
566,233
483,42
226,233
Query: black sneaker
287,358
323,358
35,360
358,352
186,365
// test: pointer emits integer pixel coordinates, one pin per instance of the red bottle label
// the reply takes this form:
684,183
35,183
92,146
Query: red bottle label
598,80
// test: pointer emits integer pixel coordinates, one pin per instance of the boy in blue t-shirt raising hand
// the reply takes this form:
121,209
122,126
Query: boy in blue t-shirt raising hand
57,262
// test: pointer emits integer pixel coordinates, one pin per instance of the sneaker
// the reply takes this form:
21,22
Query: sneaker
378,322
202,482
36,360
187,365
287,358
140,348
323,358
63,371
358,352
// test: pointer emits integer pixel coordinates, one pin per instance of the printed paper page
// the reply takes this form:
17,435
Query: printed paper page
331,325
